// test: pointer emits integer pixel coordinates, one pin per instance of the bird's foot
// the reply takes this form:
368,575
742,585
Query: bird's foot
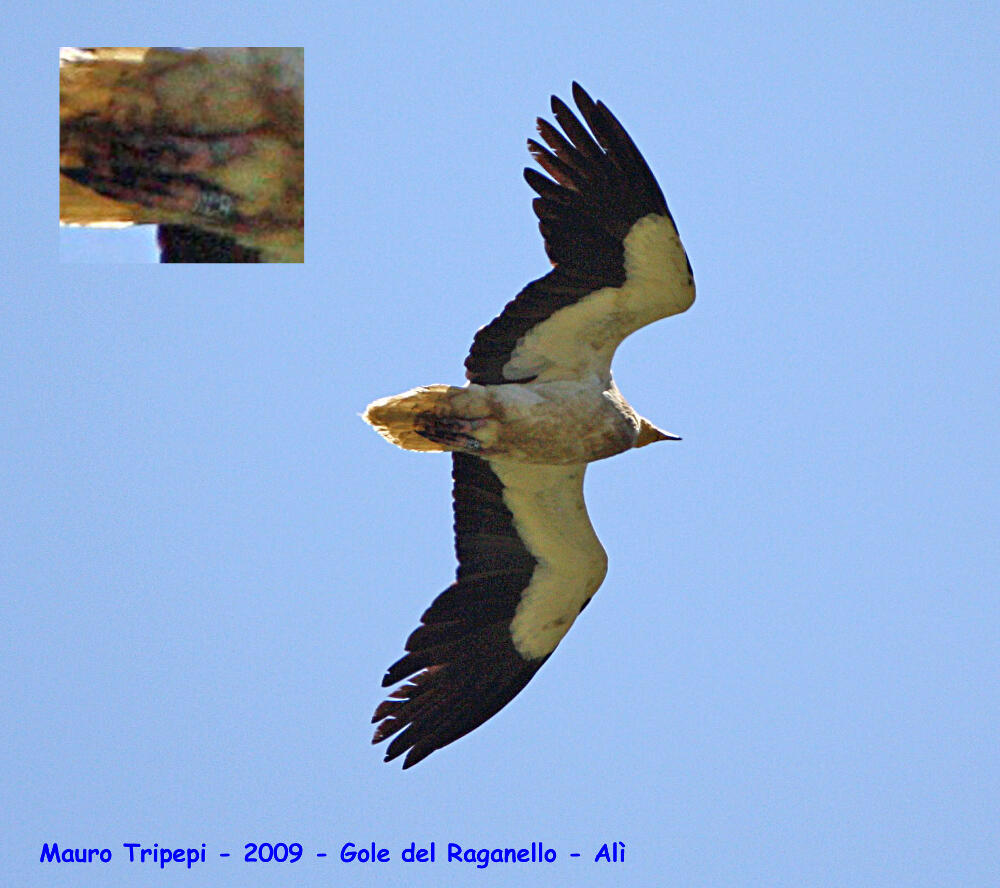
162,172
451,432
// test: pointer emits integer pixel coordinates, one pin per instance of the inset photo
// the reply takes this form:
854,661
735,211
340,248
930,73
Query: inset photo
204,143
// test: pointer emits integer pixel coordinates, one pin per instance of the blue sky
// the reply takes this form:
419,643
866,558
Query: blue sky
789,675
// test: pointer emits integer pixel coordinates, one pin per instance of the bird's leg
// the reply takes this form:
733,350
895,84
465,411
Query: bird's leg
452,432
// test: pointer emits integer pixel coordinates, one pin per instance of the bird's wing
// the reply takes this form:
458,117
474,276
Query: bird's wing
618,261
528,562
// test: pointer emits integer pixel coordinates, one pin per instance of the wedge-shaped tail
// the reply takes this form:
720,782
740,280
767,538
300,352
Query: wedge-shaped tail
398,417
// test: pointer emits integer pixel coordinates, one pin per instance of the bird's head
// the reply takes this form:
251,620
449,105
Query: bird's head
648,433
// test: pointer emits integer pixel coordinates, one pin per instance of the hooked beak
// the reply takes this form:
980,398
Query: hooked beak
648,433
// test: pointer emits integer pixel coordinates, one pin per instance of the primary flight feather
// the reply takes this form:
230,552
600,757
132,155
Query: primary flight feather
540,403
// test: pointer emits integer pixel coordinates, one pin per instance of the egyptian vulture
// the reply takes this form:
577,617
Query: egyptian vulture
207,144
540,403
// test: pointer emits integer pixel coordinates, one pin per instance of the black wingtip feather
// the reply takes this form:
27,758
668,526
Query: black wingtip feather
185,243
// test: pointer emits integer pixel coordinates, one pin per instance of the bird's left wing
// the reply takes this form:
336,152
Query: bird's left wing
618,261
528,563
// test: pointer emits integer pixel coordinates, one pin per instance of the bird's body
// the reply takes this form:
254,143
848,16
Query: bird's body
539,406
556,422
208,144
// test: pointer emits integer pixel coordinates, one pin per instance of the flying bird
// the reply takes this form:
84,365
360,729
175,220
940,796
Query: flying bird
539,405
207,144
